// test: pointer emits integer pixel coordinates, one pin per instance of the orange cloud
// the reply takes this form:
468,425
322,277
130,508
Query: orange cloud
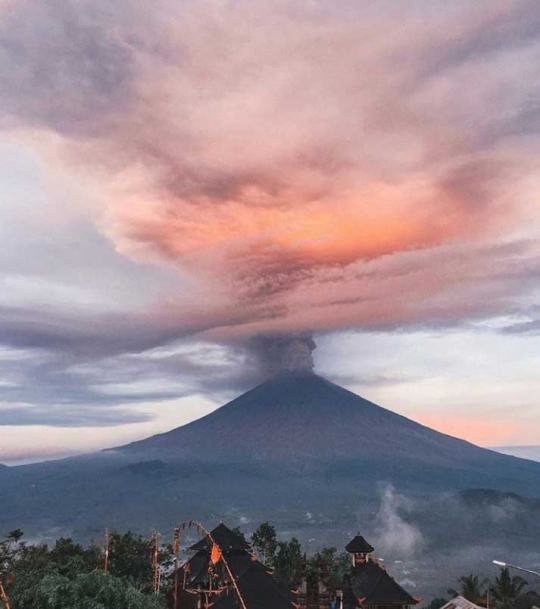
324,178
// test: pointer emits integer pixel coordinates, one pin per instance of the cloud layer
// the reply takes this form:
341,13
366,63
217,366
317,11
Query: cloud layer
269,170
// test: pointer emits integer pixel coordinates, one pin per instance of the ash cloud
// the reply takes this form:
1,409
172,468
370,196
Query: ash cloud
280,184
278,354
325,179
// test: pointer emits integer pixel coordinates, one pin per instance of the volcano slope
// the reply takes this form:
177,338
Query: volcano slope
295,444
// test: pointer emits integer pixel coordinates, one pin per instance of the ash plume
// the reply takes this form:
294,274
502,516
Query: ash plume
277,354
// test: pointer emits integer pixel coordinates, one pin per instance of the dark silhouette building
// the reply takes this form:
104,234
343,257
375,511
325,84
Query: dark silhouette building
219,559
368,585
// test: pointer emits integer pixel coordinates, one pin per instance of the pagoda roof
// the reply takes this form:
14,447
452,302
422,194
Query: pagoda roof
258,589
197,567
224,538
359,545
372,585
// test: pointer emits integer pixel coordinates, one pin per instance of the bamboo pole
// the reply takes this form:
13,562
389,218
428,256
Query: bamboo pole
4,596
106,564
155,563
176,551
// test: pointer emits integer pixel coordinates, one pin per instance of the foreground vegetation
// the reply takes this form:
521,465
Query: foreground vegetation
68,575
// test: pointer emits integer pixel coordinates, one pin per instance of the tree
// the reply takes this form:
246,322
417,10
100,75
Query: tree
471,587
507,588
70,575
329,566
437,603
96,590
130,558
71,558
9,548
528,600
264,540
238,531
288,562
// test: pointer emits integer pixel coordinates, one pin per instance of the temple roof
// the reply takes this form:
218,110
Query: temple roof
224,538
198,565
359,545
372,585
258,589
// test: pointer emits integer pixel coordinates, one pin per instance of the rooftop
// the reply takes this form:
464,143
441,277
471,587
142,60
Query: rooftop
359,545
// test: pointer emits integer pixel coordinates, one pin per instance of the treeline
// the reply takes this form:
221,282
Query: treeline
68,575
290,564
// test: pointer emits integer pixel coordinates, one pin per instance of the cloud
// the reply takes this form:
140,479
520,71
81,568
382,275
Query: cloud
270,163
474,428
267,170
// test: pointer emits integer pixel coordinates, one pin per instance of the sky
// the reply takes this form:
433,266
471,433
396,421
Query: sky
196,194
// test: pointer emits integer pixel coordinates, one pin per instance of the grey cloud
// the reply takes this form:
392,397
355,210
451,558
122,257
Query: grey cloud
374,380
45,387
502,27
525,327
473,184
62,66
69,416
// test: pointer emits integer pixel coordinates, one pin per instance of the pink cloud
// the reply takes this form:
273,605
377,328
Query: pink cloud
309,169
475,429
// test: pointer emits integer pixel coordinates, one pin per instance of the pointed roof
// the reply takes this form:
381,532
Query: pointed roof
259,591
372,585
359,545
224,538
387,591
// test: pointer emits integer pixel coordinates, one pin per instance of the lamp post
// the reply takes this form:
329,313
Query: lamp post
509,566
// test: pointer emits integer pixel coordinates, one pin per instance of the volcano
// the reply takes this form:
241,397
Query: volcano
299,419
295,444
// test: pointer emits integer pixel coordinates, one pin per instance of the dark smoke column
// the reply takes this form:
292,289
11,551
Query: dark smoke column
277,354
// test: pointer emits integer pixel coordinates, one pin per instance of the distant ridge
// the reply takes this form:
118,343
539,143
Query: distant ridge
524,452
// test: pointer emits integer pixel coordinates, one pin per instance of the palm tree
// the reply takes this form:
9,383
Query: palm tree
507,588
471,587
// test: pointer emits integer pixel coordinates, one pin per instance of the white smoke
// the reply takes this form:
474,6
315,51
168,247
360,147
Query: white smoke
504,511
394,536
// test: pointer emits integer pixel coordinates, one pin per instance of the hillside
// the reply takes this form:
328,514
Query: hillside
305,419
